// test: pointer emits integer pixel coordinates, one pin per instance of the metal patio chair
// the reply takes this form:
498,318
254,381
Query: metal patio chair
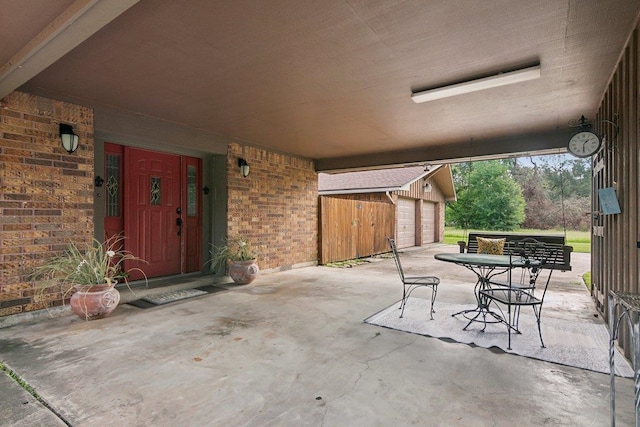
531,253
513,295
411,283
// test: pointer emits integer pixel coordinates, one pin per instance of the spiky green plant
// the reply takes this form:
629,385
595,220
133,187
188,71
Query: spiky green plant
85,266
233,249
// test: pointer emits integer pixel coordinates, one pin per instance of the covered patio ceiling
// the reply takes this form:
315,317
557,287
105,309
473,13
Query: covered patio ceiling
330,80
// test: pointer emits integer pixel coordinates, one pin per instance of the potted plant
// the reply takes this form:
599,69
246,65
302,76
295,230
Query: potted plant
240,258
89,275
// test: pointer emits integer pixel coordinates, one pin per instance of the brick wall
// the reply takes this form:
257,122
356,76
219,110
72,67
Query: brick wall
275,207
46,197
46,194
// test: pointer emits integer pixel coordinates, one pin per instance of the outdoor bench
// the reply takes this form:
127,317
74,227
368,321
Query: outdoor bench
560,253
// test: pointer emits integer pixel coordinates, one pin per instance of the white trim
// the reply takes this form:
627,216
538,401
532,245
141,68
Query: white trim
77,23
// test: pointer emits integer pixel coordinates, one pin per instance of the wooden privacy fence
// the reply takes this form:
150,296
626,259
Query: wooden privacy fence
353,228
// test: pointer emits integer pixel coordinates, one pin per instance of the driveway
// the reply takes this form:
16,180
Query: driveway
291,349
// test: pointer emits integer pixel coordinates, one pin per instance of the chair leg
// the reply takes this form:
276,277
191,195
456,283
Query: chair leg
509,324
516,319
405,297
537,313
404,300
434,292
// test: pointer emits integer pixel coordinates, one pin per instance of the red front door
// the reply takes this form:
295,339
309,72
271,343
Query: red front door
153,212
154,200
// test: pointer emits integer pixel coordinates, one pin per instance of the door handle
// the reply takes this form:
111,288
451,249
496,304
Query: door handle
179,224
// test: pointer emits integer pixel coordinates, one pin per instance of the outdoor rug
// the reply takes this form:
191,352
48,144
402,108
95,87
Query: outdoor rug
173,296
582,345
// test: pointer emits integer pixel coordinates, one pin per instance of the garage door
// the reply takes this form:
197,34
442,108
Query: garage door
428,222
406,223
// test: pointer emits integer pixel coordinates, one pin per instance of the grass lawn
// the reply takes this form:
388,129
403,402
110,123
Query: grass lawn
580,240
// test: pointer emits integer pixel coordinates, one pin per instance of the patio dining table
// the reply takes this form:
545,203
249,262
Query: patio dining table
485,267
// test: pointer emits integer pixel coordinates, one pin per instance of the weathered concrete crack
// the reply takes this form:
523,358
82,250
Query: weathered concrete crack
22,383
365,369
373,359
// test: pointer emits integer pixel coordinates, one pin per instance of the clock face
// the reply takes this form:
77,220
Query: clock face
584,144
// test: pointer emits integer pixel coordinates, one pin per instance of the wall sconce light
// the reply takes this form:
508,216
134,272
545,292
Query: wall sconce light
244,167
98,181
427,187
68,137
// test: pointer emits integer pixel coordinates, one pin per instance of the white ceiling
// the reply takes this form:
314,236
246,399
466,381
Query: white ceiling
329,80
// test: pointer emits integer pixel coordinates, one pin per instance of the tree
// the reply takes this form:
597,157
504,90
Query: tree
557,191
539,210
568,177
488,198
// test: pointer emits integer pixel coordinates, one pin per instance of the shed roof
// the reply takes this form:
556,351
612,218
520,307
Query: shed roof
383,180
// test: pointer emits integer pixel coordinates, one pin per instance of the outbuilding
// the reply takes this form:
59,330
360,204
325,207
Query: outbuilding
360,209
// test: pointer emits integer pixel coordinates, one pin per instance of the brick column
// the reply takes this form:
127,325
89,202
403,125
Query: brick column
46,194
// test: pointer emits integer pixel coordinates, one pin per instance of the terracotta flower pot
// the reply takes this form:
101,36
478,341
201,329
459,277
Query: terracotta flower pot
243,272
95,301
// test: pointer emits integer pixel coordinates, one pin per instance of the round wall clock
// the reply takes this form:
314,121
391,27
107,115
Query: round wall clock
584,144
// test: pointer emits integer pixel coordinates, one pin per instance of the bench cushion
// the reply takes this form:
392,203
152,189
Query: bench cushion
490,246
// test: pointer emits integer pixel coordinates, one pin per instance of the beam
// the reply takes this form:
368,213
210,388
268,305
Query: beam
73,26
142,131
553,142
121,126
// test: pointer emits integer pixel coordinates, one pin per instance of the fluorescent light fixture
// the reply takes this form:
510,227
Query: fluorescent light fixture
501,79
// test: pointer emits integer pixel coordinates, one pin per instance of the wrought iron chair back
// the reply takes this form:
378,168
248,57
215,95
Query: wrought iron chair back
532,254
396,257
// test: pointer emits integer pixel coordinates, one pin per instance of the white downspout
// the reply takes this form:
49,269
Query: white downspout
389,196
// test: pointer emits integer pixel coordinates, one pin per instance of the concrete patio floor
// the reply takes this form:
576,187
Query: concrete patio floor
291,349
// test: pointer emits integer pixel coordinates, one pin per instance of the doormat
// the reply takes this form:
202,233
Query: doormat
173,296
582,345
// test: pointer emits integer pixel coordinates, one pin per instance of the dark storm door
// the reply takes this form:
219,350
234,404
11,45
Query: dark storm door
152,220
